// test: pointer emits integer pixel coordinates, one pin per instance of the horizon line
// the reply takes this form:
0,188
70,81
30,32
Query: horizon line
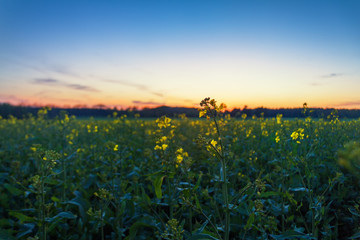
140,108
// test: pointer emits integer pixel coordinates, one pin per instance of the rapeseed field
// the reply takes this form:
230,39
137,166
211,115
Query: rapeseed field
215,177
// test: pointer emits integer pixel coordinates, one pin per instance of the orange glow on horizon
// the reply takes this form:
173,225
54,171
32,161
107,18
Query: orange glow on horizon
231,105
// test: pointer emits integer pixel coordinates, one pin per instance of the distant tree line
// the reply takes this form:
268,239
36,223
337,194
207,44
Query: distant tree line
7,110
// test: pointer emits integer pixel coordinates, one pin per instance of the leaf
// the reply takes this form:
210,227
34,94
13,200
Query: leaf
54,224
6,234
268,194
55,199
353,212
198,182
26,229
80,202
13,190
250,221
355,236
292,235
157,182
145,197
200,236
202,227
135,227
22,217
63,215
299,189
197,203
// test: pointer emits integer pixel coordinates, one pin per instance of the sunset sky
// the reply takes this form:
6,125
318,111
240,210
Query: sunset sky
149,53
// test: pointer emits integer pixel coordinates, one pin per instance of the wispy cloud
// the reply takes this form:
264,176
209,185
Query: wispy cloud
350,103
56,82
62,70
8,98
332,75
46,81
146,103
44,67
135,85
325,79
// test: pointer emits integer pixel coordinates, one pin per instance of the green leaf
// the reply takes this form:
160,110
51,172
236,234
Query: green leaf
200,236
25,229
292,235
54,224
202,227
198,205
62,215
13,190
6,234
22,217
80,202
268,194
299,189
355,236
55,199
136,227
250,221
145,197
353,212
157,182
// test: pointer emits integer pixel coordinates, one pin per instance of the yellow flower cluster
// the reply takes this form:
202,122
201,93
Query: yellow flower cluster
277,138
180,154
163,122
116,148
90,129
209,106
298,135
213,147
161,144
103,194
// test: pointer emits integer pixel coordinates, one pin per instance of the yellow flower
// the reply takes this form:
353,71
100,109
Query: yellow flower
202,113
294,135
179,151
179,159
163,147
213,143
298,135
116,148
277,139
163,122
180,154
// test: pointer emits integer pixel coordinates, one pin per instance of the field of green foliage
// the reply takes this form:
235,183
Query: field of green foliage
209,178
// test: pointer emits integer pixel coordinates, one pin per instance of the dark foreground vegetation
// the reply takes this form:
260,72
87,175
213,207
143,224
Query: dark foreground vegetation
221,178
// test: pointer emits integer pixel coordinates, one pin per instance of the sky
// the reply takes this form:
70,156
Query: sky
177,52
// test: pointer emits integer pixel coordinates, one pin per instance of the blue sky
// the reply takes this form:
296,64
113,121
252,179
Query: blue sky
149,53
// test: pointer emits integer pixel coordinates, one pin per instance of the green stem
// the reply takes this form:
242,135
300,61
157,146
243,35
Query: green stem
64,181
190,220
224,184
226,200
101,220
42,201
169,197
